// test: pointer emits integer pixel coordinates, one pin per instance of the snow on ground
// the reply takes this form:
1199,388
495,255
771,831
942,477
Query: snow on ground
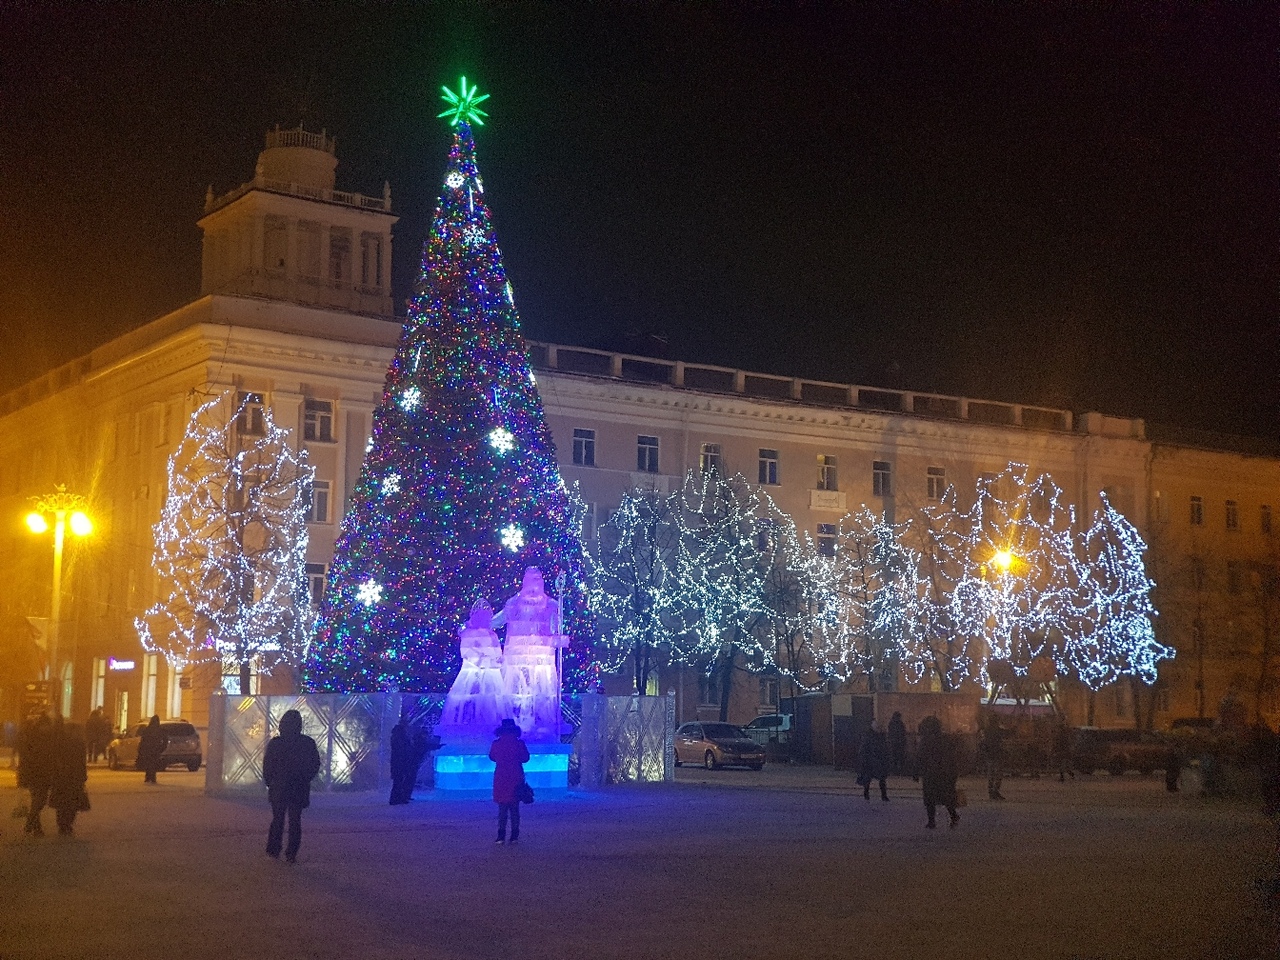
788,863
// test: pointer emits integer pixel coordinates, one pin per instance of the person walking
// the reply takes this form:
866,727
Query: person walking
150,749
1062,749
993,753
939,771
68,775
897,744
291,763
94,738
35,768
873,762
510,754
404,766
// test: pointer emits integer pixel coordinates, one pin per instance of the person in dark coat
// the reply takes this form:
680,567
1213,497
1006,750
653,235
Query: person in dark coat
404,762
510,754
993,753
939,770
35,768
150,749
873,762
66,784
96,729
897,745
291,763
1062,749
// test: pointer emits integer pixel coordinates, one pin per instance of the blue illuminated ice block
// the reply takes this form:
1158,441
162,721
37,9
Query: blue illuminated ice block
465,768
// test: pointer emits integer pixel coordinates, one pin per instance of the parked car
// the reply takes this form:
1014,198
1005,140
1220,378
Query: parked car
775,727
717,745
1118,750
183,747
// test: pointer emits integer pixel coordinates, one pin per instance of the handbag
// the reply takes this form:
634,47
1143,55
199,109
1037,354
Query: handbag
524,792
962,799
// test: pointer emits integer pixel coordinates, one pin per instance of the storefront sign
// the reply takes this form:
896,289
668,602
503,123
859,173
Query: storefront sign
114,664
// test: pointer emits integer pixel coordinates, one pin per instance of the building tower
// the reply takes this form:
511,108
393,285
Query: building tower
288,234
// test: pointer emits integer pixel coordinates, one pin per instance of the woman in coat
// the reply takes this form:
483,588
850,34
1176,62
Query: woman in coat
509,753
69,773
939,770
150,749
873,762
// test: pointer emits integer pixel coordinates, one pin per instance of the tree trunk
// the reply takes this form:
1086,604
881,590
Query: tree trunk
1092,701
726,681
245,678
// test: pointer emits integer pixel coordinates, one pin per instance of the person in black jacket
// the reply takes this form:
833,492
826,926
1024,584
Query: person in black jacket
939,770
35,767
873,762
404,762
897,745
150,749
291,763
69,773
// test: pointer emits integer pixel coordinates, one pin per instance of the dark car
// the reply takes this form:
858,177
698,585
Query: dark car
775,727
717,745
1117,751
183,747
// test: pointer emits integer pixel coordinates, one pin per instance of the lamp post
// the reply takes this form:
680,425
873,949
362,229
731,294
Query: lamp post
66,509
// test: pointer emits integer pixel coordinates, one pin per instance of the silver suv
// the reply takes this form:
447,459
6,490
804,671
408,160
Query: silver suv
183,746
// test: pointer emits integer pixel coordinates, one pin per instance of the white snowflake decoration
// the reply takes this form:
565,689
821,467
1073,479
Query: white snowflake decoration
410,399
370,592
391,484
473,236
368,444
512,537
455,180
502,440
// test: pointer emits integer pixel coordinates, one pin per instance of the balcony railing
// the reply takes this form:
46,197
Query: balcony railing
342,197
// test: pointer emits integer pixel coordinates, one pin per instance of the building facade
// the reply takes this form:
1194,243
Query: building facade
295,313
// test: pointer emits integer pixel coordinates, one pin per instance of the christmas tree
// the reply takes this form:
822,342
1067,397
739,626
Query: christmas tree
459,491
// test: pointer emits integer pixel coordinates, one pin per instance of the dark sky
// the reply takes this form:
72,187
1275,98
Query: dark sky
1068,204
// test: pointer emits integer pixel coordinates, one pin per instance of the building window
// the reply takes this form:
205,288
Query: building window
827,539
1235,576
584,448
708,692
316,574
339,256
1197,574
1233,515
98,694
1264,518
710,461
769,467
881,485
1197,511
827,476
647,454
150,669
317,423
936,477
252,419
768,694
318,502
174,697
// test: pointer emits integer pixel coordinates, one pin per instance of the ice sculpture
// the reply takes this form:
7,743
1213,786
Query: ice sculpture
477,701
530,678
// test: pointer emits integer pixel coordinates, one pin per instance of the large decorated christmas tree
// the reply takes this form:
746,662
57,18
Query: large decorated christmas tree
459,490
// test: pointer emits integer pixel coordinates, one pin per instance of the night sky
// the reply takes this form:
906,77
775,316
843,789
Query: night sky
1066,205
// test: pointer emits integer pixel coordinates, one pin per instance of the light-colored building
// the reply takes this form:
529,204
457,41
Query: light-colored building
295,312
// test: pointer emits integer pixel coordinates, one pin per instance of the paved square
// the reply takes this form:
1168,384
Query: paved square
788,863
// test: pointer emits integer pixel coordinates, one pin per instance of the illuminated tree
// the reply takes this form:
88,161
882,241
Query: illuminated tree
637,594
459,491
231,544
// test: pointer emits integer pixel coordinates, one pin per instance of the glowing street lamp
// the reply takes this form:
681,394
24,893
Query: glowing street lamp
66,509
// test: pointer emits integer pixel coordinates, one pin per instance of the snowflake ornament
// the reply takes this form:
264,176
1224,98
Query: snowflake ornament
512,537
473,236
391,484
502,440
410,399
454,180
370,592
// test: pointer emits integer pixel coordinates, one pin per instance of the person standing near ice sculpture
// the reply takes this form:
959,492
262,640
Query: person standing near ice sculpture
509,754
477,699
529,658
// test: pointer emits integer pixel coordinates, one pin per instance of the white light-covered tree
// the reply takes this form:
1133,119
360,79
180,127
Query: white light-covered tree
231,544
636,592
799,607
723,567
1014,598
1112,634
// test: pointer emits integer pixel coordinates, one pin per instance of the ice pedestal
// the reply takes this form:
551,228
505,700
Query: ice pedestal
465,768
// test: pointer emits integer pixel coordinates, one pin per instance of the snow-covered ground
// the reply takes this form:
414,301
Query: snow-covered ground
788,863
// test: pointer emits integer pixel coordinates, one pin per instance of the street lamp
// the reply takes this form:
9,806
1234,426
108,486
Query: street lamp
66,509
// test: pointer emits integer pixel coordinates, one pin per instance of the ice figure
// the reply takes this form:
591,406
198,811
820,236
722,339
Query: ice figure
529,675
477,702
